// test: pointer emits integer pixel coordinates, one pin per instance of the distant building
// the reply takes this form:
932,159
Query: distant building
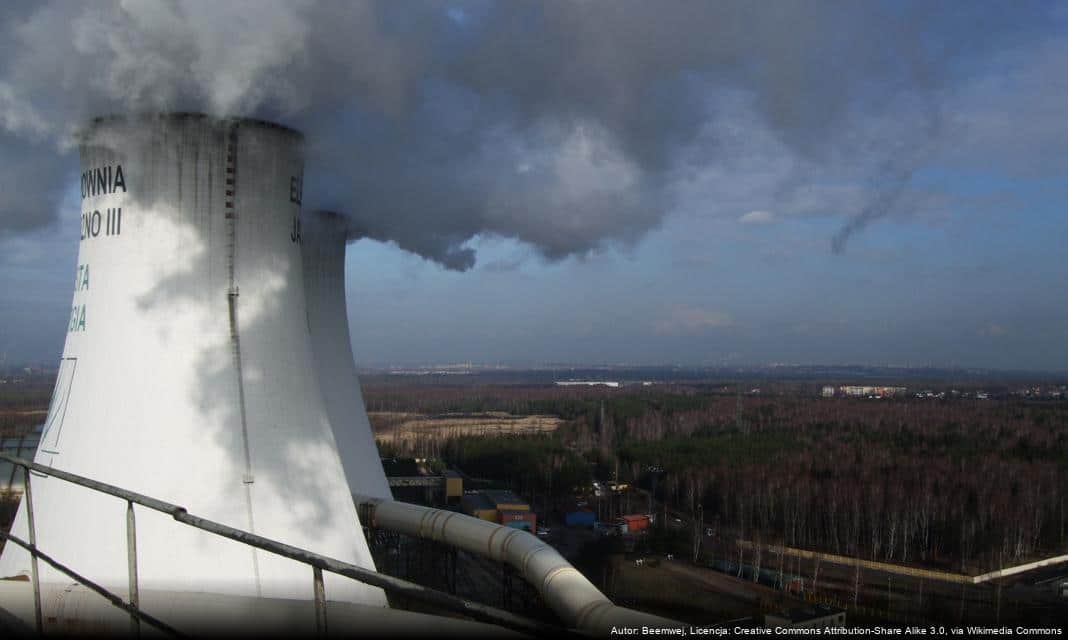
855,391
810,617
828,392
412,480
477,505
505,500
403,467
500,506
454,485
586,383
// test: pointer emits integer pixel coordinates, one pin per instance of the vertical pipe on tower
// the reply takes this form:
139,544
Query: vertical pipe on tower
34,573
131,561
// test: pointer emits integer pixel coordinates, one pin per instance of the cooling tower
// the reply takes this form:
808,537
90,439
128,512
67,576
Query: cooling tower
188,373
324,241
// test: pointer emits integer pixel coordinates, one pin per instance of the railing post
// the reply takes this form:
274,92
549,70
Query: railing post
320,602
131,564
33,558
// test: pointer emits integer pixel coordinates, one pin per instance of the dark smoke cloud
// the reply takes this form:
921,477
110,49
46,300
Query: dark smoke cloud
559,124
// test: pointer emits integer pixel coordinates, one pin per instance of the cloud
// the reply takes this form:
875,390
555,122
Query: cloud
685,319
757,218
1011,115
571,127
16,115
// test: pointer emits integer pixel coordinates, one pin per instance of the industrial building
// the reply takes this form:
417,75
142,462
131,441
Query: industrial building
588,383
413,480
454,485
477,505
500,506
856,391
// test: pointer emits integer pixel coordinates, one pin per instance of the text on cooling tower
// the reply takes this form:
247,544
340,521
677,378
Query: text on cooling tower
77,312
81,280
102,180
296,189
109,223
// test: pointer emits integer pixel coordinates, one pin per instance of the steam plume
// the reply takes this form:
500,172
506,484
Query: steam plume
561,125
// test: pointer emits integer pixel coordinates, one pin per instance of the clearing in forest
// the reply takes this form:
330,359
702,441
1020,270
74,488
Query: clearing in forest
398,427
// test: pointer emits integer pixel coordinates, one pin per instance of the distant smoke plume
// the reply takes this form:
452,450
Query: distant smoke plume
879,205
558,124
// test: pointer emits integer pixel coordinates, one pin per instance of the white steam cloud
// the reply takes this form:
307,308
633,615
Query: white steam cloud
561,125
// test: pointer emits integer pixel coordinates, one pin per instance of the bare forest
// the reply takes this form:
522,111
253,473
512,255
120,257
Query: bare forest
957,484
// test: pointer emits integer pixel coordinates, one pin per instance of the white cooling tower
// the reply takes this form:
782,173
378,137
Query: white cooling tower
324,242
188,373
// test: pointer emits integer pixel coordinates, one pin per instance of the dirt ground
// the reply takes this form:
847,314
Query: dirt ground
393,427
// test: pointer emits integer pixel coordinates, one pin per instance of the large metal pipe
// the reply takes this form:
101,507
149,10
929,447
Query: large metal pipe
74,609
567,592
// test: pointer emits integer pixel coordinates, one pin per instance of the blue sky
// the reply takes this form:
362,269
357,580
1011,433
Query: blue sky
597,183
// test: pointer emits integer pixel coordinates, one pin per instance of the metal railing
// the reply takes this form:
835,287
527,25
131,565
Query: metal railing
317,562
563,588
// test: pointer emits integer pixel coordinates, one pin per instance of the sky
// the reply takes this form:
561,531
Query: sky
695,183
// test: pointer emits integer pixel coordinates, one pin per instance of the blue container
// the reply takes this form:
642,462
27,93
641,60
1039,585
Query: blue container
579,519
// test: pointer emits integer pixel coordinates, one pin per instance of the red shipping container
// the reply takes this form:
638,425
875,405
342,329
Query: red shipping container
636,522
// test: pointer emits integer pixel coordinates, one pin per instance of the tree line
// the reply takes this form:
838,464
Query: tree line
962,485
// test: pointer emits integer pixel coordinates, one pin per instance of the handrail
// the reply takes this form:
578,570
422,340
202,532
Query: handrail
132,609
565,590
411,590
